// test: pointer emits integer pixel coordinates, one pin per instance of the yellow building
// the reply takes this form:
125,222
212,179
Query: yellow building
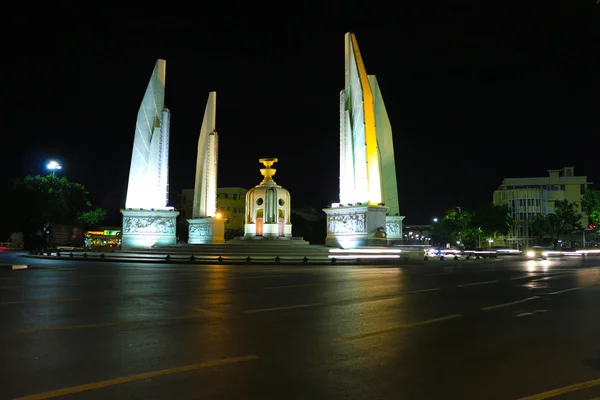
231,203
527,197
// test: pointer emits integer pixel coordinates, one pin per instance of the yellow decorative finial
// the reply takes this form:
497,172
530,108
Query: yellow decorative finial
267,172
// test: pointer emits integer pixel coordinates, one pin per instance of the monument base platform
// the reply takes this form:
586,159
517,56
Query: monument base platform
268,241
207,230
356,226
143,229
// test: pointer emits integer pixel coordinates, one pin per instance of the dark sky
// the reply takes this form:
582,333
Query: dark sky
476,91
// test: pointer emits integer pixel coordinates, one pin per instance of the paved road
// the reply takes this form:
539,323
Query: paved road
495,329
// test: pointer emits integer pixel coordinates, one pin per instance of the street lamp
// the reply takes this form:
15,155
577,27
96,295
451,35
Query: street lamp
435,220
53,165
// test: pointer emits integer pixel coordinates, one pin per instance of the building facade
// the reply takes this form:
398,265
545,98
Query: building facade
231,202
528,197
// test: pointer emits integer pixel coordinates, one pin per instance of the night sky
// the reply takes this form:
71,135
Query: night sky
476,91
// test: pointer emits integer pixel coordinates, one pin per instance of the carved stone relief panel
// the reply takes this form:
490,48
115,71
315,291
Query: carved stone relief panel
201,230
346,223
149,225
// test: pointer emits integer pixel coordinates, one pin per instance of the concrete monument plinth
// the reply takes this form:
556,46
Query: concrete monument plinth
393,229
146,228
356,226
207,230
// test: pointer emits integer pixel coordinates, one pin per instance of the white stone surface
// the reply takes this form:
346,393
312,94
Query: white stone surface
147,228
205,188
351,227
367,163
393,228
149,172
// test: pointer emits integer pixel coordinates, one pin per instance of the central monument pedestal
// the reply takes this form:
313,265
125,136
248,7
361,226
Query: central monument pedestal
206,230
356,226
146,228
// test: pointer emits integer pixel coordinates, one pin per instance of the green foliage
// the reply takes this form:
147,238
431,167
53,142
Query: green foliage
564,220
539,226
493,221
457,226
470,227
590,204
92,217
38,201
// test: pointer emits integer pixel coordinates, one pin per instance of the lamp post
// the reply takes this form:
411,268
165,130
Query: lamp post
53,165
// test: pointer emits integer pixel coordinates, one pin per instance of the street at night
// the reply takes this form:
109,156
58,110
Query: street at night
487,329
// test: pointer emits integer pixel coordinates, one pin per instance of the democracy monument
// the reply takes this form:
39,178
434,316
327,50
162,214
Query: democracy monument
367,213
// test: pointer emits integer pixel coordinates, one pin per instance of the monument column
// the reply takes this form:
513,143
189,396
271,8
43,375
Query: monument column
368,212
147,220
206,225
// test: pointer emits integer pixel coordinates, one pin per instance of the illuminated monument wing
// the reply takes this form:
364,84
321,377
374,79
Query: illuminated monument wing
368,212
147,220
206,226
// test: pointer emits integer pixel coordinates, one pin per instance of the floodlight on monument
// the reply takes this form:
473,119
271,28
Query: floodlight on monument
53,165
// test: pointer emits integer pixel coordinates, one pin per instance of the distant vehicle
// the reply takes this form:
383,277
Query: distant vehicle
537,252
441,253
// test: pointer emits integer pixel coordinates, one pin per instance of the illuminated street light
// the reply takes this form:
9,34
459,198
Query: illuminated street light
435,220
53,165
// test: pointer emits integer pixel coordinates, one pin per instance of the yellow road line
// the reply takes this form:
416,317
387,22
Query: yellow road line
509,304
134,378
341,302
477,283
381,332
107,324
563,390
8,303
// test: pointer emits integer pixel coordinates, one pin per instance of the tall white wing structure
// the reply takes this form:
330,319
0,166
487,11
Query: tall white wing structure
385,147
367,166
149,172
368,212
147,220
205,189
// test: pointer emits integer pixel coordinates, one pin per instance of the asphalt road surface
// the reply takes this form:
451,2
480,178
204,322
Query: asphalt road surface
488,329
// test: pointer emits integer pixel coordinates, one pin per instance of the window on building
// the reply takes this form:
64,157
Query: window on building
582,189
562,187
225,195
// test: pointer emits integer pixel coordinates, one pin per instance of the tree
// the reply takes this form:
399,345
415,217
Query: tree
36,202
539,226
92,217
590,204
492,221
564,220
457,225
